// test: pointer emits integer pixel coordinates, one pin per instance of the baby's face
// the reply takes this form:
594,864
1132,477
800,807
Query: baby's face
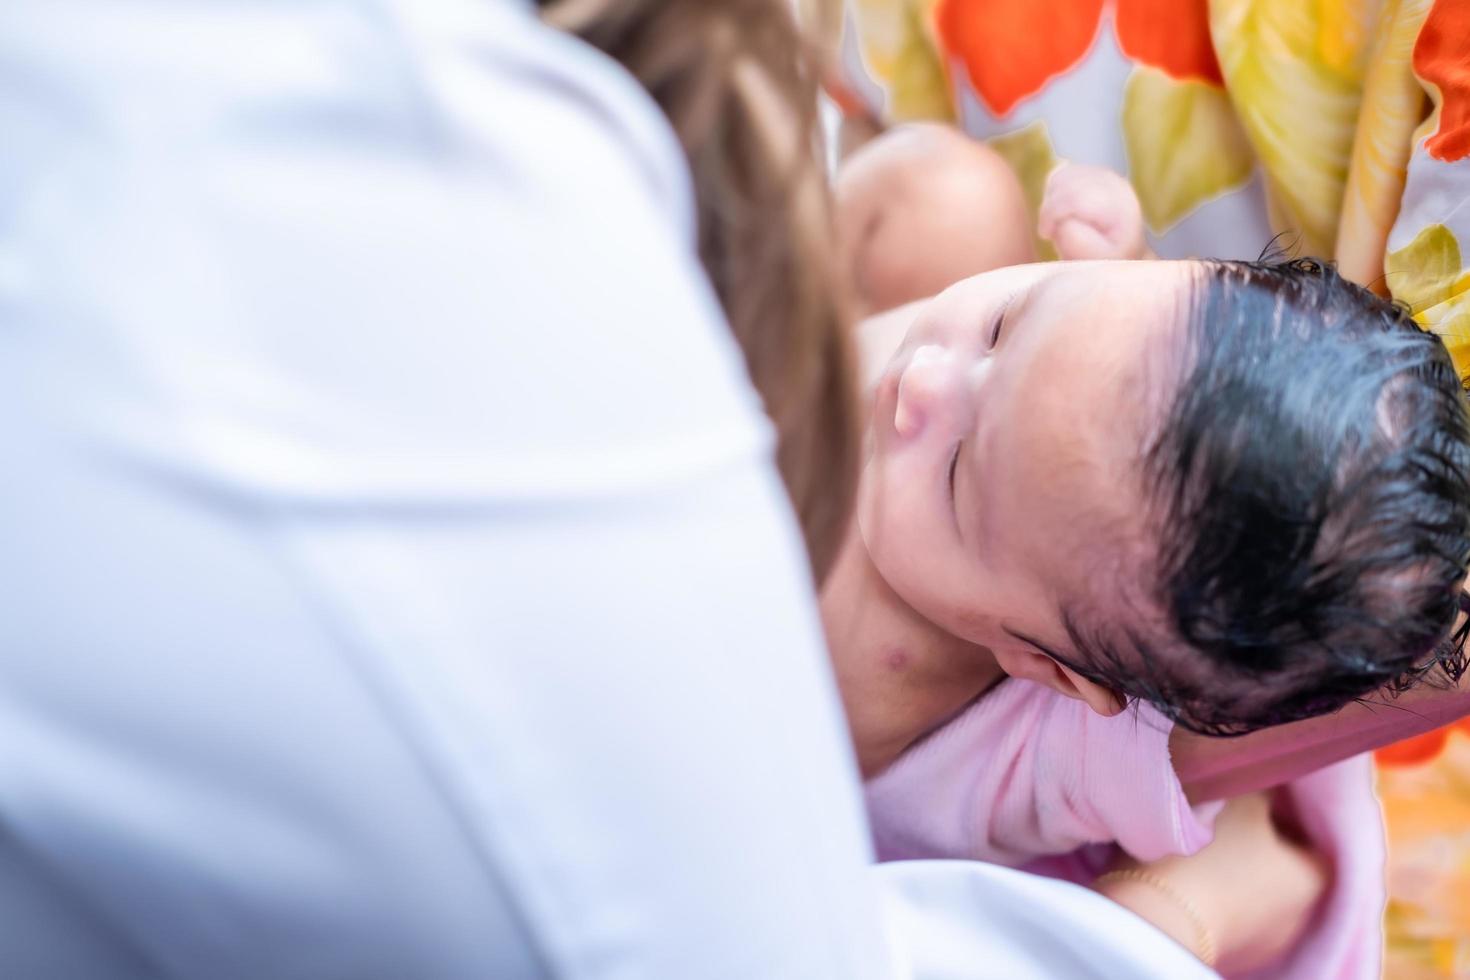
1007,436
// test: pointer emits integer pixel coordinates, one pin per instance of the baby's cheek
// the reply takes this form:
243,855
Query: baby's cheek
915,566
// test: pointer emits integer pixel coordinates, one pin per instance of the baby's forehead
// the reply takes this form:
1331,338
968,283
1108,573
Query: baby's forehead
1108,364
1125,324
1089,445
1096,533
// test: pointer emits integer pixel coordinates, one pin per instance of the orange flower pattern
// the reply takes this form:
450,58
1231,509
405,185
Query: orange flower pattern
1420,748
1011,50
1442,59
1169,35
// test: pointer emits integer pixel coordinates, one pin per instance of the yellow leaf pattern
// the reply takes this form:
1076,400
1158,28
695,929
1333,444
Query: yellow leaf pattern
900,52
1184,145
1426,274
1423,271
1393,105
1297,101
1028,150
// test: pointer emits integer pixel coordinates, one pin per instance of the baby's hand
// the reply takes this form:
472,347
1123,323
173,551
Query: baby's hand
1091,213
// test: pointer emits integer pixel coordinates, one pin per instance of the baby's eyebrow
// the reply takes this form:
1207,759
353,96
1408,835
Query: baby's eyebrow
1021,300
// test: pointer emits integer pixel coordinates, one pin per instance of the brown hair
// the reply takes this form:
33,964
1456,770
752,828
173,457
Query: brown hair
739,86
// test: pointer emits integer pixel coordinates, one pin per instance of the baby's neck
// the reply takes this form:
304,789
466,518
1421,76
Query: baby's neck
901,676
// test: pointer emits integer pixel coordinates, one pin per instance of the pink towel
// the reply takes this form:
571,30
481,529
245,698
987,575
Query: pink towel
1026,777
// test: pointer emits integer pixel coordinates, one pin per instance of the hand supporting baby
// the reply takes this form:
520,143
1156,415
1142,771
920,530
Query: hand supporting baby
1239,903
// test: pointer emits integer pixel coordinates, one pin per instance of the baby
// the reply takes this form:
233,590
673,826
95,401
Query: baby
1231,492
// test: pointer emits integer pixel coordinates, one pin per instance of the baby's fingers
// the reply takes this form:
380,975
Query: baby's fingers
1076,239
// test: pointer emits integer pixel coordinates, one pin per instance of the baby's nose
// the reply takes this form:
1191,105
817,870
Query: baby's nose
930,392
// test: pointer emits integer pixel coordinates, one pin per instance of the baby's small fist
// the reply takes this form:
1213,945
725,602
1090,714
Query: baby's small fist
1091,213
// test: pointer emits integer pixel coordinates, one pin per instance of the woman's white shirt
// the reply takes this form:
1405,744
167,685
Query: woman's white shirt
396,579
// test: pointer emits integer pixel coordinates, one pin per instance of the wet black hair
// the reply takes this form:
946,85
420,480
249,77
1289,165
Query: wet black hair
1308,489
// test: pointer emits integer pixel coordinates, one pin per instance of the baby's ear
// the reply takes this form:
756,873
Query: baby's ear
1040,669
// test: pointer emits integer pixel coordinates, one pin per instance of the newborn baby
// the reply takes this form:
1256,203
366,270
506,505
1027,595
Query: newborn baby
1233,492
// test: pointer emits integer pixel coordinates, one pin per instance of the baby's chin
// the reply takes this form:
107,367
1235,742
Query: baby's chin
898,559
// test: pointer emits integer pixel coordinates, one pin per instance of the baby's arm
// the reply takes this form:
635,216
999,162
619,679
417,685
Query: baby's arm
1092,213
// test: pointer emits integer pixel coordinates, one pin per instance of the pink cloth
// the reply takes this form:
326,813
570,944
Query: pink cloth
1026,777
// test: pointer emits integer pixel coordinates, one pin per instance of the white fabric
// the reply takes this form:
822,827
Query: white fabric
396,581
